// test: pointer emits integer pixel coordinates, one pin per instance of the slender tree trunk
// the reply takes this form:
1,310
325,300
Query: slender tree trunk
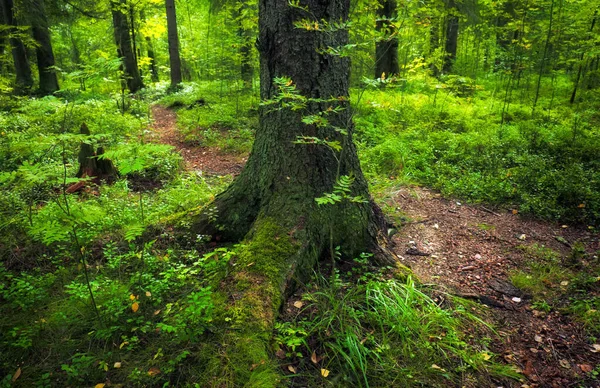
245,36
173,38
44,52
451,41
124,48
543,60
271,205
581,63
386,47
153,68
24,79
434,43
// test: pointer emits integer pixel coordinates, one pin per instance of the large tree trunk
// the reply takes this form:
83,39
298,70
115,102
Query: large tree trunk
44,53
386,48
271,205
173,38
24,80
451,43
124,48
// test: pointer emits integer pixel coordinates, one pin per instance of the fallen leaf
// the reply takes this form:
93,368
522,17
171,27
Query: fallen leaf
523,237
157,312
595,348
117,365
486,356
314,358
324,372
135,307
564,283
280,354
528,371
581,205
565,364
254,366
516,300
538,338
16,375
99,385
434,366
292,369
153,371
515,211
148,294
585,368
131,297
298,304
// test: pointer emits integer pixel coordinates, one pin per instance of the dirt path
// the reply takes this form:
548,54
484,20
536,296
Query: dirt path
468,250
209,160
471,250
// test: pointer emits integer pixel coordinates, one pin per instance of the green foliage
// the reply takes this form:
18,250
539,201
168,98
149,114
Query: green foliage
459,146
381,331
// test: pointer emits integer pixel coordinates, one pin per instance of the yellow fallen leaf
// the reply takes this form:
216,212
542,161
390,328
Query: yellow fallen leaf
434,366
486,356
324,372
581,205
298,304
135,307
148,294
131,297
153,371
157,312
292,369
16,375
117,365
515,211
99,385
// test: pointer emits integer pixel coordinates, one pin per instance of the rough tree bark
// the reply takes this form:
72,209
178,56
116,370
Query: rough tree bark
44,52
24,80
386,49
451,42
173,38
124,48
271,205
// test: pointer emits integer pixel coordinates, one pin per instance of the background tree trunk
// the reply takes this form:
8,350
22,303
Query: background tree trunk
451,41
44,53
124,49
174,59
24,80
386,49
246,44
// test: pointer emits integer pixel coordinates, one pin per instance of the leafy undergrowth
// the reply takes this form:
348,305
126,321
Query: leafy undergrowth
451,135
207,118
365,328
568,284
156,316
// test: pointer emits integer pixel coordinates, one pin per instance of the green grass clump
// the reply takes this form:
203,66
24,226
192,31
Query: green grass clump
386,333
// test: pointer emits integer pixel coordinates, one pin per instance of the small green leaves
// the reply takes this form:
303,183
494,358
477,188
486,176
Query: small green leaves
341,192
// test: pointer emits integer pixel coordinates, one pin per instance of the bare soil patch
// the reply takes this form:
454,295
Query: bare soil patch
209,160
470,250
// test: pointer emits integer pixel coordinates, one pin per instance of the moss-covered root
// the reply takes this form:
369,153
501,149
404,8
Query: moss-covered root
253,292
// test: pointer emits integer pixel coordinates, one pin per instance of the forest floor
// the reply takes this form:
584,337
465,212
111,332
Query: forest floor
469,251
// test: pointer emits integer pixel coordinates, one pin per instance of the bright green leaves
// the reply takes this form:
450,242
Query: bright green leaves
342,191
